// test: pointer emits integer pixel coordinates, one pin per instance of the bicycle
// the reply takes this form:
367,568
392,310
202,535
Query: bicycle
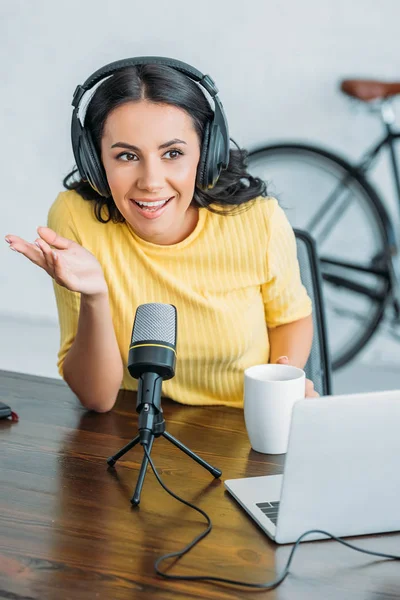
337,204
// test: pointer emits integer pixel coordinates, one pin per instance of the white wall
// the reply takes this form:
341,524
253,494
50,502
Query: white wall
277,65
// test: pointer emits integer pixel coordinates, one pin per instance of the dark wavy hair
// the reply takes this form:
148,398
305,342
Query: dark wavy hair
164,85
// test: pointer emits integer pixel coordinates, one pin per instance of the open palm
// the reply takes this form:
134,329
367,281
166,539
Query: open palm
68,263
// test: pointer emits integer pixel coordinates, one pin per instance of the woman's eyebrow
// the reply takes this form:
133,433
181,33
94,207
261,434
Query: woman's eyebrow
136,149
171,143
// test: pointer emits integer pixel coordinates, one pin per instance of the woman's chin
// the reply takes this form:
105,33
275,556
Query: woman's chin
156,231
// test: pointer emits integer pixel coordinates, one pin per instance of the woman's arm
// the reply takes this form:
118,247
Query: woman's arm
293,340
93,366
290,344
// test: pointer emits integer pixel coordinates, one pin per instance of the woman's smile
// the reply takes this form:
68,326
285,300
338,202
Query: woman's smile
151,209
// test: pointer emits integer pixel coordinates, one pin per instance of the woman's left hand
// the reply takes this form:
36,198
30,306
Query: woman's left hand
310,392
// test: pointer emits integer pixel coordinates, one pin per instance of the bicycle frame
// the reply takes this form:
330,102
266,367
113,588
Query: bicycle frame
388,118
392,270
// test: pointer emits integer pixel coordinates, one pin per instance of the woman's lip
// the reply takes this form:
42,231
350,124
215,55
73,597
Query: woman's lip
147,214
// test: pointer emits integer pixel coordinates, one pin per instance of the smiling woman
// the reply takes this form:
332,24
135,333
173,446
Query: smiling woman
161,209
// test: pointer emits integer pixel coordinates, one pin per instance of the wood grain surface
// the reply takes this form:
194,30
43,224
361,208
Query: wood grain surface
68,530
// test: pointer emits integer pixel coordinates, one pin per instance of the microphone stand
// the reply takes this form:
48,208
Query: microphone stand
152,425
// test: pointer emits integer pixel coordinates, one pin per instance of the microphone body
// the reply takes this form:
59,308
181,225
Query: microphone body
148,404
151,359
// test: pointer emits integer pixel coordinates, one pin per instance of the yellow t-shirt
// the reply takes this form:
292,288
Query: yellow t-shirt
234,276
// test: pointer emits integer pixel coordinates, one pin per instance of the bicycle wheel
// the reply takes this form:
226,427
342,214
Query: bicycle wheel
322,194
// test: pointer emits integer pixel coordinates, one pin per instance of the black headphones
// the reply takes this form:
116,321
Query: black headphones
214,149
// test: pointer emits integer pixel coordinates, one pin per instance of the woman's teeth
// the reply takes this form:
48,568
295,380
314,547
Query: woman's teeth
152,206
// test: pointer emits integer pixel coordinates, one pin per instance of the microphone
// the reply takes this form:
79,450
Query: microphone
151,359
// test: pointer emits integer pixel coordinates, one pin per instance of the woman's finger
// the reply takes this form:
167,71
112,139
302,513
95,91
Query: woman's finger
282,360
12,239
310,391
48,254
31,251
53,239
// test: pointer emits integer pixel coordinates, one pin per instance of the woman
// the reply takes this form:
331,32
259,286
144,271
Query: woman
162,220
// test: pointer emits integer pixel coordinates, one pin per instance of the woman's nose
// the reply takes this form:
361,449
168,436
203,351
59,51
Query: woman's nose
151,177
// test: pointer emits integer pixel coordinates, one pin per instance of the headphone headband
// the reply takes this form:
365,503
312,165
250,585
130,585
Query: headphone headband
204,80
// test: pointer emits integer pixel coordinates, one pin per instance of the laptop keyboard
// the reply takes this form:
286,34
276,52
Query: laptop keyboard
270,509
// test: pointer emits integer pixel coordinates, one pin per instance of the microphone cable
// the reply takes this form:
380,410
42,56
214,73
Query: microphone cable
269,585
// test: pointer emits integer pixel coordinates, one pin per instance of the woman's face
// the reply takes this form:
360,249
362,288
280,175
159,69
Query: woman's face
150,153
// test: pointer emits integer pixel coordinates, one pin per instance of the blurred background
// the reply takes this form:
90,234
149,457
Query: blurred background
277,66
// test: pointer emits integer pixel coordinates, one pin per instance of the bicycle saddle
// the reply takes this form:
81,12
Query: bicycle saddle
369,89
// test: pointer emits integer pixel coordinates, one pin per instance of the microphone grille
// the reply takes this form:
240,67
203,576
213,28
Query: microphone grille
155,321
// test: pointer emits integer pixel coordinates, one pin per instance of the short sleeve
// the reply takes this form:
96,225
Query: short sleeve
68,303
285,298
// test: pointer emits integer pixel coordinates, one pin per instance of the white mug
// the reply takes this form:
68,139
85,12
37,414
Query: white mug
270,392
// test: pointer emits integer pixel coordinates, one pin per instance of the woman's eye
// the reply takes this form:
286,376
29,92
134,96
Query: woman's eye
126,156
173,154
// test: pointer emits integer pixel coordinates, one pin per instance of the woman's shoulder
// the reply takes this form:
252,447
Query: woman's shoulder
70,203
73,217
244,222
70,207
269,213
265,205
262,217
254,212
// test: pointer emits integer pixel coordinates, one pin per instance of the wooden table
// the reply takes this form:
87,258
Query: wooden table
68,530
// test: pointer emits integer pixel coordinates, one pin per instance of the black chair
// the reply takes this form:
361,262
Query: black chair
318,367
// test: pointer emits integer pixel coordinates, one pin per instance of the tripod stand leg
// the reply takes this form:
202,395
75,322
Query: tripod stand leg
139,484
203,463
113,459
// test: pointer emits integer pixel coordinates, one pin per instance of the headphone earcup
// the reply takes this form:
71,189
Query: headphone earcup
213,156
201,169
91,165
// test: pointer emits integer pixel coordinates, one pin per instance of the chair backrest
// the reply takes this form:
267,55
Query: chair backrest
318,367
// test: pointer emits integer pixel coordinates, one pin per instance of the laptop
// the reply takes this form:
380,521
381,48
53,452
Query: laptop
341,473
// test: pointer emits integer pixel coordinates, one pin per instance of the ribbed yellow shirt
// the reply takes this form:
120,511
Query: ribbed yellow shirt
234,276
